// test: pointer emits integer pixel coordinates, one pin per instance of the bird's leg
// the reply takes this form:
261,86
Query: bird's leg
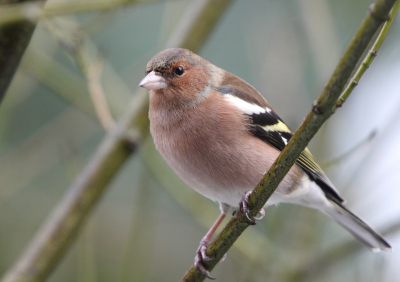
243,206
201,253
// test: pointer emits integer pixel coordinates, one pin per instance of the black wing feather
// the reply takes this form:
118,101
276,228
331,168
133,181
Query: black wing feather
278,139
270,128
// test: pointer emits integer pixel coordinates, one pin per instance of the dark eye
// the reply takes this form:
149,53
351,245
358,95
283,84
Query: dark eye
179,70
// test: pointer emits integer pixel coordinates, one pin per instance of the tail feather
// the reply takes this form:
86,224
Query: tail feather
356,226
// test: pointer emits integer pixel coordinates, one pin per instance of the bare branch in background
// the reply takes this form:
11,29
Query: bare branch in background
366,140
89,61
93,75
36,10
14,38
369,58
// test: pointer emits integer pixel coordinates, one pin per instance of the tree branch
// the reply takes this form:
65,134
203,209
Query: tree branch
369,58
54,237
37,10
322,109
14,38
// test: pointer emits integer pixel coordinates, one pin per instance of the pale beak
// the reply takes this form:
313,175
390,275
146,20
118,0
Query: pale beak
153,81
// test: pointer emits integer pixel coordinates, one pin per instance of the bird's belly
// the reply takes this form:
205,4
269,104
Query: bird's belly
212,175
216,169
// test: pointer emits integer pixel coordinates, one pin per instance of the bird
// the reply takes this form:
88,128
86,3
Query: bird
220,136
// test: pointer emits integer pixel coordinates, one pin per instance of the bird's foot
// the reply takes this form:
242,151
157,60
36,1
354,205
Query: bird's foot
243,206
201,256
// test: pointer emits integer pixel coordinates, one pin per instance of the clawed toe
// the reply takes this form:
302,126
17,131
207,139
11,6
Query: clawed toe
201,256
261,213
223,258
204,271
243,206
201,253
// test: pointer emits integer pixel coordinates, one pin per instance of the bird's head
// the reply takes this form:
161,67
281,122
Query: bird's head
179,74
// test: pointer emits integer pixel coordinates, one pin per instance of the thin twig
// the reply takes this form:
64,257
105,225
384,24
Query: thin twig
369,58
14,39
33,11
92,69
350,151
93,74
90,63
322,109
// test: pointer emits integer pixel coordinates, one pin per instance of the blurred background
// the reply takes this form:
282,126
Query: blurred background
148,224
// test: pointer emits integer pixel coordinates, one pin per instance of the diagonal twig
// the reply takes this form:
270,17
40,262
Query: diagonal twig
36,10
14,39
369,58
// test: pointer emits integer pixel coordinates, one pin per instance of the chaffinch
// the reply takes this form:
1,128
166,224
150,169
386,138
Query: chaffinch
220,135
